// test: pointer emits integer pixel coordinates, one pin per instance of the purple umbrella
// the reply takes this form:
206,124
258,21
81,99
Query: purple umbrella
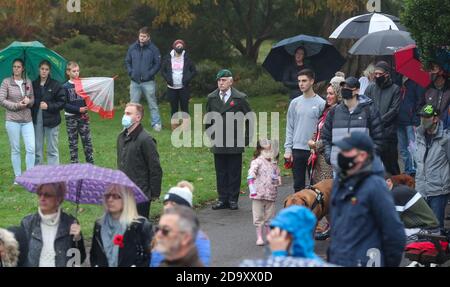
86,183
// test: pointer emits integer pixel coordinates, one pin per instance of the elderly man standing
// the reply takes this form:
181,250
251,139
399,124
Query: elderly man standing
143,61
138,157
386,97
175,237
227,105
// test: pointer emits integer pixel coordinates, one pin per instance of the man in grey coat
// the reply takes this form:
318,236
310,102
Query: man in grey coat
433,161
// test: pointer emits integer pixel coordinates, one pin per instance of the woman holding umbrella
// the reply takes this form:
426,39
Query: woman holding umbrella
290,79
16,96
51,233
121,237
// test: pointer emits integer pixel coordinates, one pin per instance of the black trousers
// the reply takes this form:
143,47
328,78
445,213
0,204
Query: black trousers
389,157
179,100
143,209
228,176
299,168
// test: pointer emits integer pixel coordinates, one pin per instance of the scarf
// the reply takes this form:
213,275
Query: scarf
111,228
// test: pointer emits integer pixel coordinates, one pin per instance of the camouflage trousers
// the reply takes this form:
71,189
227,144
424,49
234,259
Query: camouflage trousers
79,125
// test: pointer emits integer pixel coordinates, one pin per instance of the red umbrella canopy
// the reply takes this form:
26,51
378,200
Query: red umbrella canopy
407,64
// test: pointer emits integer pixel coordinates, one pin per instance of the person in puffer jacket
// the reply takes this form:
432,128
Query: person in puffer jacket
355,113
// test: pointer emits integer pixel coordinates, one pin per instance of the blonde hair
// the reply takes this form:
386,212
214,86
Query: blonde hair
139,108
369,70
11,246
70,65
129,210
186,184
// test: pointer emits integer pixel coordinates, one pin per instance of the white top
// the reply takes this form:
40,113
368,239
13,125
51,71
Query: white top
227,95
49,227
177,70
20,83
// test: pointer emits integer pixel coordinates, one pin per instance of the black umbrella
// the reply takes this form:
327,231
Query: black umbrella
358,26
381,43
324,58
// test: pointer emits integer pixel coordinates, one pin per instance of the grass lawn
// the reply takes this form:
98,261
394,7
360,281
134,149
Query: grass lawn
192,164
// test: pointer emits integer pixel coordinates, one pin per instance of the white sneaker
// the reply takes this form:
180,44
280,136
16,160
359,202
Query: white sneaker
157,127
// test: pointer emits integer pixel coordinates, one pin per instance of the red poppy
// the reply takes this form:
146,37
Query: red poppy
232,104
118,240
27,88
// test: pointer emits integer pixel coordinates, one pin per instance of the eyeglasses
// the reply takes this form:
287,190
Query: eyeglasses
114,196
46,194
17,67
165,230
379,74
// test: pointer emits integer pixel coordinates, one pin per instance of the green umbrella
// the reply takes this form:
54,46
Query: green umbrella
32,53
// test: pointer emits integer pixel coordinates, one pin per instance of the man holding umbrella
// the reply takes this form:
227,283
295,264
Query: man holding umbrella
290,74
386,97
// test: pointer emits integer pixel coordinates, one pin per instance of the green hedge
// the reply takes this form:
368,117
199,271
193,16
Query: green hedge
102,59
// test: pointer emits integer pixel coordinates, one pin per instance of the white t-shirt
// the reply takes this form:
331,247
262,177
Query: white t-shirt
177,70
20,83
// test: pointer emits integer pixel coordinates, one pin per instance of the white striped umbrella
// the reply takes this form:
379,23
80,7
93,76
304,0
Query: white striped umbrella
358,26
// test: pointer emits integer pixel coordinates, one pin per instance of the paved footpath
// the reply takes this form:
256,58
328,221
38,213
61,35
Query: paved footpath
233,235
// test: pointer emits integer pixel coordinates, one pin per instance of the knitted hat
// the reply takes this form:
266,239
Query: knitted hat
179,195
382,65
179,41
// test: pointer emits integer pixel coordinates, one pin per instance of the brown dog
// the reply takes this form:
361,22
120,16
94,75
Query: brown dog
309,197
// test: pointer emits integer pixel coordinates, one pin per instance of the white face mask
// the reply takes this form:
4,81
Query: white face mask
127,121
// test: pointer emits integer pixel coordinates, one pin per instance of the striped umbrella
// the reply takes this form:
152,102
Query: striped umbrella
358,26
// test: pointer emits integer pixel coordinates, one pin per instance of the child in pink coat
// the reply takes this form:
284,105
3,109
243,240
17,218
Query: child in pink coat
263,180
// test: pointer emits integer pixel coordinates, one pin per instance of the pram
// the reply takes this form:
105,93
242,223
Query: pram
430,250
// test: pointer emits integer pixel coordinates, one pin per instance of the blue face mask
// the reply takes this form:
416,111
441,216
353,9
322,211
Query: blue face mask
127,121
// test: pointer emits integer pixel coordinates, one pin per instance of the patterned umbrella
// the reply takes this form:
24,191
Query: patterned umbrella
358,26
86,183
98,92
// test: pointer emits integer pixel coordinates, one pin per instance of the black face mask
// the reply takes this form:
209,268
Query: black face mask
179,50
346,163
380,80
347,94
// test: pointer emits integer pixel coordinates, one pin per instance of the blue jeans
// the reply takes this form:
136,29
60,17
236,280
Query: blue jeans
149,91
51,136
406,142
438,204
27,131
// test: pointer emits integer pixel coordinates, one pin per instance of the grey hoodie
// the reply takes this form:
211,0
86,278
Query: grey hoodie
433,167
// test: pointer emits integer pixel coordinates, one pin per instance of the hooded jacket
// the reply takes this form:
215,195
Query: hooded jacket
300,222
11,249
364,219
433,162
387,99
